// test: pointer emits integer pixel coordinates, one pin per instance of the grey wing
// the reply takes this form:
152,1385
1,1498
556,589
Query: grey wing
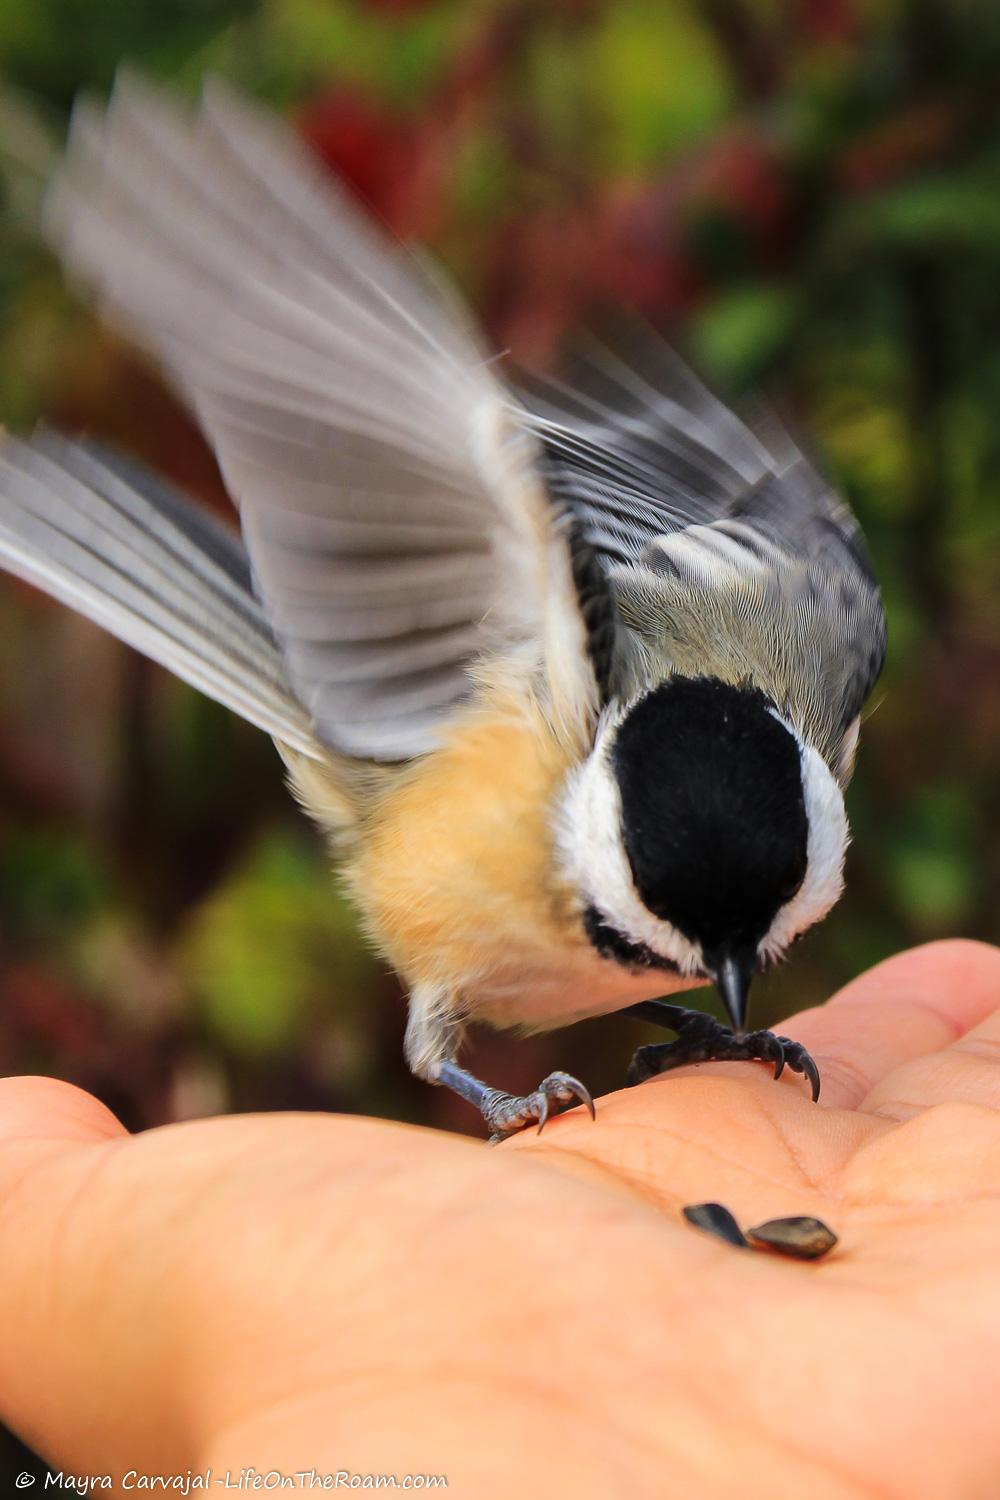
395,521
709,529
107,538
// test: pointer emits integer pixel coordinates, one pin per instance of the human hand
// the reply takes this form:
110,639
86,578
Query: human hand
302,1291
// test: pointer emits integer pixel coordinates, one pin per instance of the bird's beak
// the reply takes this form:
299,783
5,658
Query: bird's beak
732,975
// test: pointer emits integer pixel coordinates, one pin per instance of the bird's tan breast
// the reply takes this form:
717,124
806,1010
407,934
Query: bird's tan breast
454,866
450,859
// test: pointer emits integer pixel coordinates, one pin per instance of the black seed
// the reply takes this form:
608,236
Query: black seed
802,1238
714,1219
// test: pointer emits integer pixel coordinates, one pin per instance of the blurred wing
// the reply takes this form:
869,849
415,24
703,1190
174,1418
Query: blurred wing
107,538
642,451
680,498
388,495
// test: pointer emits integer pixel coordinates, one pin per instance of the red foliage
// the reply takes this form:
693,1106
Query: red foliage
744,175
834,22
42,1007
378,154
914,139
640,257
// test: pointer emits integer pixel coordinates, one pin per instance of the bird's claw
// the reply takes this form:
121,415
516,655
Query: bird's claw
713,1042
506,1114
795,1056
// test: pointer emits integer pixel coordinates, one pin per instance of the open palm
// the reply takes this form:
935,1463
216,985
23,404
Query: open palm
307,1292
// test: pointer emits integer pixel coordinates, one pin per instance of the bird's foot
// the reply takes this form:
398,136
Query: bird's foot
700,1038
506,1114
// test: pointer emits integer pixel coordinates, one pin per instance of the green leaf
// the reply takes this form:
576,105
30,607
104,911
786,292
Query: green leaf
960,211
658,80
931,860
739,335
270,948
51,883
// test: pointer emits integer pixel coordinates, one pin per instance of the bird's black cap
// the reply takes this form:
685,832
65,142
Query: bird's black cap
714,818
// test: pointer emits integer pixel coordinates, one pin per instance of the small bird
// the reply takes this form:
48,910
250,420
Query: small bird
569,675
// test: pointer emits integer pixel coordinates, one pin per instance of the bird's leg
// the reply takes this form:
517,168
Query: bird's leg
701,1038
433,1036
506,1114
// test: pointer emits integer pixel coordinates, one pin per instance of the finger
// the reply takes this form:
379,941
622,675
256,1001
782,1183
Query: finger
966,1070
43,1116
95,1298
904,1012
52,1135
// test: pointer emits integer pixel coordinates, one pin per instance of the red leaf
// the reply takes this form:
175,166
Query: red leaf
377,154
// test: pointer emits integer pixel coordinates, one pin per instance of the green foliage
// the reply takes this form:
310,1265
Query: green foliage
56,46
51,882
931,859
658,80
269,946
740,334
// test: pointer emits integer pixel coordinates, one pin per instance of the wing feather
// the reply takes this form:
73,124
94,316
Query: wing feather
403,514
120,547
389,495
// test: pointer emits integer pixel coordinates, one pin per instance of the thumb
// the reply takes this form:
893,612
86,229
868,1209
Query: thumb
36,1113
162,1289
109,1277
56,1141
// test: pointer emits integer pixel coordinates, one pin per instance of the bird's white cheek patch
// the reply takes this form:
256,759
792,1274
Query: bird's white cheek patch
589,840
827,845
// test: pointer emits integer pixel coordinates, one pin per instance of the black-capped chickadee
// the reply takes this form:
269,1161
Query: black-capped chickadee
572,680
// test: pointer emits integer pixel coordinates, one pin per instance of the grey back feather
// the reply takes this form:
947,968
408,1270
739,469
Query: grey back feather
727,553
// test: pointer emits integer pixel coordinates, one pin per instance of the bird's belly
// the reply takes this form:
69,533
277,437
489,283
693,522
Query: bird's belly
570,987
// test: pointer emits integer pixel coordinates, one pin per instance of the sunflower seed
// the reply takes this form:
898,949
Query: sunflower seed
804,1238
714,1219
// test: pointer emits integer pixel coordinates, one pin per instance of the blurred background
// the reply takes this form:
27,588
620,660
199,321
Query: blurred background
803,196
